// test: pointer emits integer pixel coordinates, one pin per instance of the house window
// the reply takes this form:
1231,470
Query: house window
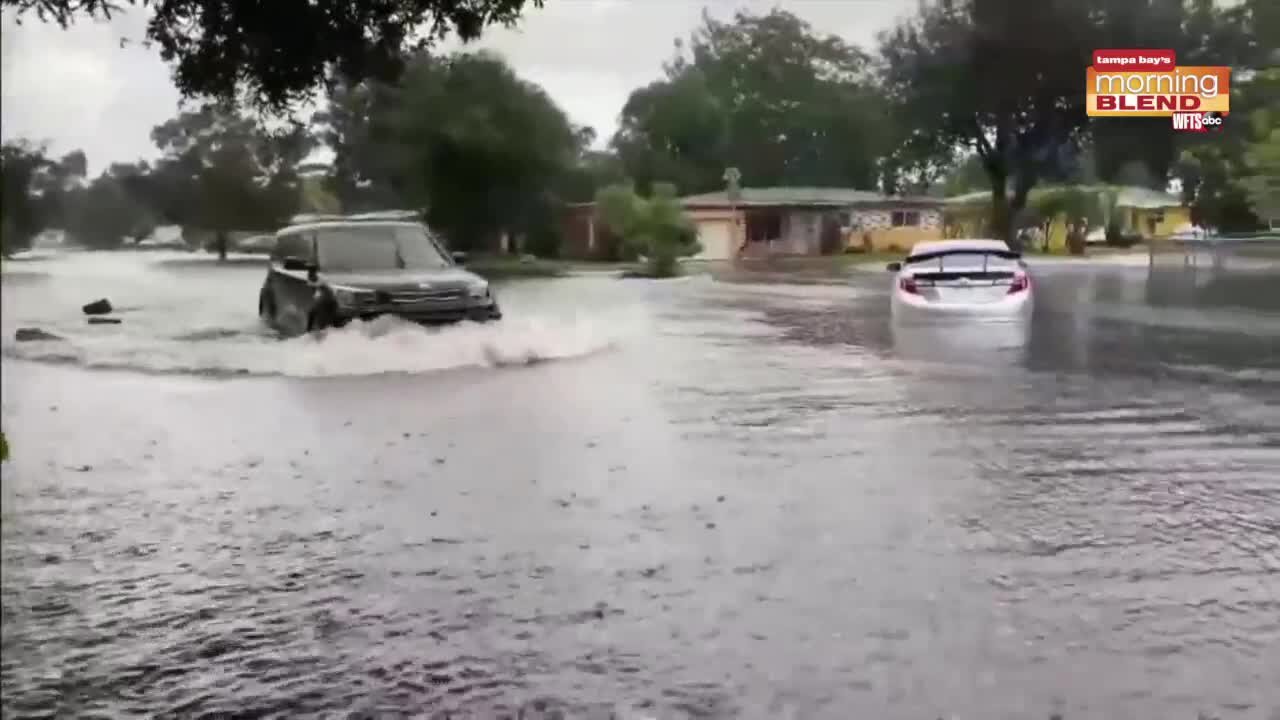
764,226
904,218
846,219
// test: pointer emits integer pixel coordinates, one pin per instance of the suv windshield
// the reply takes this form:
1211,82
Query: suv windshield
378,247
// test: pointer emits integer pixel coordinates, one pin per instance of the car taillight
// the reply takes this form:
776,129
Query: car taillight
1020,282
908,285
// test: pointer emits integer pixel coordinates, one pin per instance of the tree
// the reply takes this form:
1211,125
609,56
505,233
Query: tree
1263,186
276,53
1079,209
224,171
35,189
1002,78
674,130
965,176
1216,170
655,227
316,198
479,148
101,215
1261,177
19,163
592,169
1201,32
765,93
355,125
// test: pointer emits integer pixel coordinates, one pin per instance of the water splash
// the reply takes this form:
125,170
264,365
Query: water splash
199,318
386,345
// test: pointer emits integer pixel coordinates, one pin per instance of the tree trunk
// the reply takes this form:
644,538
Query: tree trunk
1076,238
1017,204
1001,218
220,242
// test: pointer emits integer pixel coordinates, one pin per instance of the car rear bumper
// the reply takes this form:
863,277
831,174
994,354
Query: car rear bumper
912,307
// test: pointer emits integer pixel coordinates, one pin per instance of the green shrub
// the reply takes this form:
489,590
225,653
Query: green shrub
655,227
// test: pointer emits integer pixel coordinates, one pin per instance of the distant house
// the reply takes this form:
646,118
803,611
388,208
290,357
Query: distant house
1141,212
810,221
585,236
778,221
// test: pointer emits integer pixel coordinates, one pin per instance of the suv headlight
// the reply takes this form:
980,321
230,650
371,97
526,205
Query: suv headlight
349,297
478,290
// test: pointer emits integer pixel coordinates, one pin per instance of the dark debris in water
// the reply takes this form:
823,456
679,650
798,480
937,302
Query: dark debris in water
34,335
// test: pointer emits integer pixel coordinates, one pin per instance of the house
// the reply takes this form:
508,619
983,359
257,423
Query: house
771,221
766,222
1142,212
584,235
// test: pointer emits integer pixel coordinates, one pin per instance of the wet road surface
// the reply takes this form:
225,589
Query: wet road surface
696,498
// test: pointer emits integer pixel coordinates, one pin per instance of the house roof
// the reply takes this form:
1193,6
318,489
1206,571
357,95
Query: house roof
1126,196
802,197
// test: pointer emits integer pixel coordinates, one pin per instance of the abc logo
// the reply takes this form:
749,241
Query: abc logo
1211,118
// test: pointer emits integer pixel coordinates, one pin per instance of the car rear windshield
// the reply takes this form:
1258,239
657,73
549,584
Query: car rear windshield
378,247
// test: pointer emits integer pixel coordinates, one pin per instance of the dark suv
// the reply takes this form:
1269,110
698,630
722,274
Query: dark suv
327,273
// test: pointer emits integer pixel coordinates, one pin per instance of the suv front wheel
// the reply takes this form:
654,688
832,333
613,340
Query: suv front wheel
324,315
266,307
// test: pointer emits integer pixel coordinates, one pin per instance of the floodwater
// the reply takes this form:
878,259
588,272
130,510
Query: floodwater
712,497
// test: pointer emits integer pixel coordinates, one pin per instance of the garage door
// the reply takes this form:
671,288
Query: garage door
716,240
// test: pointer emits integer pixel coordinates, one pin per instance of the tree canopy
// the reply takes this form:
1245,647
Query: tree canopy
278,52
35,191
959,96
1004,80
1225,175
462,137
765,93
655,227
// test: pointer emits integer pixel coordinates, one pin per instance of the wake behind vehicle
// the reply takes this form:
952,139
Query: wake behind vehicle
978,279
327,271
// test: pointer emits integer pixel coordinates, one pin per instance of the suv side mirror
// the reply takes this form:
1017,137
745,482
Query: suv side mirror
295,264
459,258
894,266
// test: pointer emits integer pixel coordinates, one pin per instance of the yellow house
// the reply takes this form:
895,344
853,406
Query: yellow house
764,222
1138,211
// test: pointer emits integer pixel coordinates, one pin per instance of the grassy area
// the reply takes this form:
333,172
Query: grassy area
507,266
869,258
510,266
600,266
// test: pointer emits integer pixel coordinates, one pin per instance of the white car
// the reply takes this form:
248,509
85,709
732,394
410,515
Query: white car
979,279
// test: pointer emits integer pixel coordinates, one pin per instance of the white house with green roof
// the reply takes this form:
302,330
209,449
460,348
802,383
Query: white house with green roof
772,221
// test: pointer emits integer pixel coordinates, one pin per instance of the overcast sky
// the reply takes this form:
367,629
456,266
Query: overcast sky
79,88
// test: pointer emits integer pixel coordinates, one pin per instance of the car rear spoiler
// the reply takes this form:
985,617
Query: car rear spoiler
986,256
411,215
1002,254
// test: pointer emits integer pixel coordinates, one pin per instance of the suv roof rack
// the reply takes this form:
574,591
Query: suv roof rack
357,217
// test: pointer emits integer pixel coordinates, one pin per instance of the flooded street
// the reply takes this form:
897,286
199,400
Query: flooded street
711,497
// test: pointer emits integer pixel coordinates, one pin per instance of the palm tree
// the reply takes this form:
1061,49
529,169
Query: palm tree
655,227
